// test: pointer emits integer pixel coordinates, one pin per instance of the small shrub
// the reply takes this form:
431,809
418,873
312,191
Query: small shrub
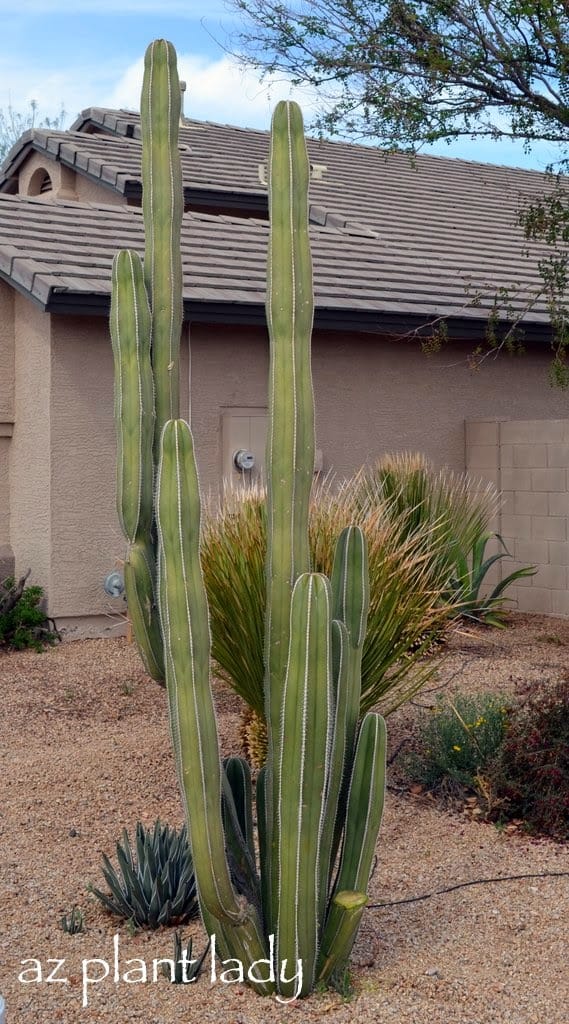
458,739
531,771
23,623
154,885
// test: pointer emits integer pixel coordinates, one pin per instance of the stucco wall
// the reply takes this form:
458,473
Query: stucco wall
62,178
87,542
372,395
30,463
6,421
88,191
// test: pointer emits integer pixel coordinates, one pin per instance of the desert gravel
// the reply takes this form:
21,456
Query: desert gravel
85,752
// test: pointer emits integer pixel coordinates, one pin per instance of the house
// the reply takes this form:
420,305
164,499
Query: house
397,245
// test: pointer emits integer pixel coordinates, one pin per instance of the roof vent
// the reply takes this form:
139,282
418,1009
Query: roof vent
317,171
40,183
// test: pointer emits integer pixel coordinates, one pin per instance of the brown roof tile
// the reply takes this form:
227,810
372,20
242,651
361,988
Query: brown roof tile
420,238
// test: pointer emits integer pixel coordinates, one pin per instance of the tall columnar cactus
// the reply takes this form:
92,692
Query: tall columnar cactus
320,795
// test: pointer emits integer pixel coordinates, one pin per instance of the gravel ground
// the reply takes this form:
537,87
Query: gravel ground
85,752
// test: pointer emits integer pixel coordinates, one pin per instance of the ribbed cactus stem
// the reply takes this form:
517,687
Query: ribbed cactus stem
134,394
290,443
365,805
163,206
306,724
184,615
134,419
316,788
345,916
142,604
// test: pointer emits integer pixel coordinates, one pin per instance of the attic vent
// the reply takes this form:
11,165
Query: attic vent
184,148
317,171
40,183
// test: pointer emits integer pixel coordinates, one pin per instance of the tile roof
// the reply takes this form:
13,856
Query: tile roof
60,254
390,236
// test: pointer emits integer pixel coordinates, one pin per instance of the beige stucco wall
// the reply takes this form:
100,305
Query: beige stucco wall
88,191
67,184
85,535
30,462
528,460
372,395
62,178
6,421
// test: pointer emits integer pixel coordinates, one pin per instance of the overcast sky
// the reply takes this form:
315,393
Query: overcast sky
89,53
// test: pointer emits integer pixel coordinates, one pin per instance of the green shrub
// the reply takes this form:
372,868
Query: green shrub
458,739
155,883
531,772
23,623
406,585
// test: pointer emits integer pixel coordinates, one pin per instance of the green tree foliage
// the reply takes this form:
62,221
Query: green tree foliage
409,71
13,124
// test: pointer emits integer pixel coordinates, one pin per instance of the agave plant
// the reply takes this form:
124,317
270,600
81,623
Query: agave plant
73,923
471,569
154,884
184,969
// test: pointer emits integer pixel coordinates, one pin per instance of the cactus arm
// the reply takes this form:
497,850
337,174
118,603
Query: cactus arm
134,394
338,939
366,798
350,596
163,205
338,754
134,420
306,722
363,818
290,441
238,775
139,581
184,615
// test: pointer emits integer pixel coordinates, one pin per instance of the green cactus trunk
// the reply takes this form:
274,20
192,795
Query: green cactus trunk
321,786
290,442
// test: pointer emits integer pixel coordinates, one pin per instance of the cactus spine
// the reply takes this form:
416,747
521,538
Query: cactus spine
322,787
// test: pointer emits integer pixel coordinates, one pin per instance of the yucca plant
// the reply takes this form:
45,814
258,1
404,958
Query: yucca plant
415,495
471,569
406,584
154,884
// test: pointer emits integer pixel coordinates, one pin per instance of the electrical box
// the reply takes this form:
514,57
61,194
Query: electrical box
243,440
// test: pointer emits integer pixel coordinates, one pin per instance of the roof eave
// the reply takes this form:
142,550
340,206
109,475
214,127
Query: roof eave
412,325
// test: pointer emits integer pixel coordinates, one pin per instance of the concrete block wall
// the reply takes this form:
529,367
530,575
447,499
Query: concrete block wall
528,461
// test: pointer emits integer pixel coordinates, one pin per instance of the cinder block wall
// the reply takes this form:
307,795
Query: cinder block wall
528,460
